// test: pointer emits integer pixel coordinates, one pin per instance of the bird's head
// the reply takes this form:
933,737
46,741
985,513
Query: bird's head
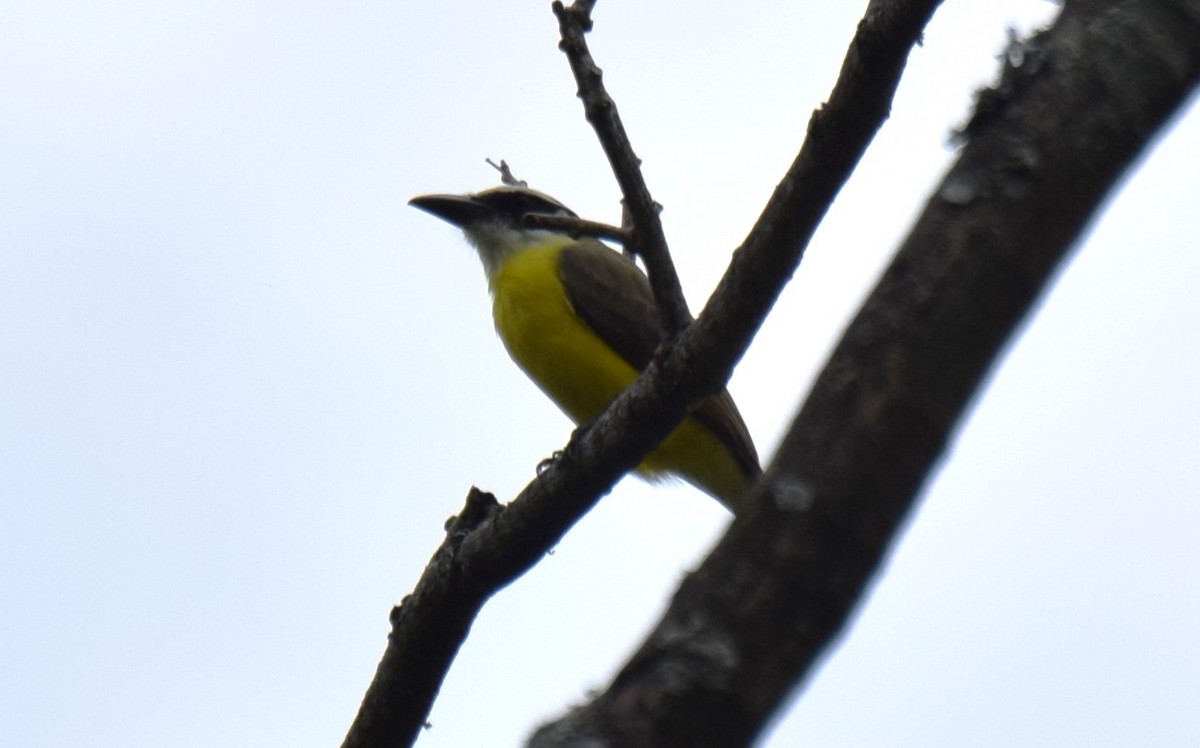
493,220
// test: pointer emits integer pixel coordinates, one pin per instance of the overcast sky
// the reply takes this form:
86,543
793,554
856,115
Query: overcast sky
242,384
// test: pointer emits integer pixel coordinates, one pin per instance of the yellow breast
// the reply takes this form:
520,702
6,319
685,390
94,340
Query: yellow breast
582,375
545,337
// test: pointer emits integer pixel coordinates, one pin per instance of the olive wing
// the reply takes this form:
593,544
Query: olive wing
612,295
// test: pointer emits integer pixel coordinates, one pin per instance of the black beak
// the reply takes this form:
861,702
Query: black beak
459,210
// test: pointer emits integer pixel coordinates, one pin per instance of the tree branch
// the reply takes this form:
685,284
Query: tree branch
646,235
577,227
470,567
747,626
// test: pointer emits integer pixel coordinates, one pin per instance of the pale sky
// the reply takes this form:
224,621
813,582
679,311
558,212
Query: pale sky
243,384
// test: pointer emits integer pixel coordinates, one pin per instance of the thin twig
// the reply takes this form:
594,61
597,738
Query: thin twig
647,237
577,227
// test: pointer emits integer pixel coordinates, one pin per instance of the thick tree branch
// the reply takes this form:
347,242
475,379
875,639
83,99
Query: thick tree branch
746,627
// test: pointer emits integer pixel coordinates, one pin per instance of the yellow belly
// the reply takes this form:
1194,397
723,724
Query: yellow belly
582,375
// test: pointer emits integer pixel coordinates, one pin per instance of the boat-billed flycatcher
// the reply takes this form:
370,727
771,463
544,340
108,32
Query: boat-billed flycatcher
579,318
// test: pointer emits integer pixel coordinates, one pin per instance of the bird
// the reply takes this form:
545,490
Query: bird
579,318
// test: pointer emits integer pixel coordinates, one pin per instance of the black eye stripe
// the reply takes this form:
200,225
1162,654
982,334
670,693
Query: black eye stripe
517,203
